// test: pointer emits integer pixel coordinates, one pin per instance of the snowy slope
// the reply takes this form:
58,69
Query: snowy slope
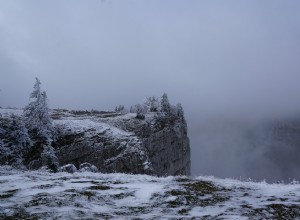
44,195
8,111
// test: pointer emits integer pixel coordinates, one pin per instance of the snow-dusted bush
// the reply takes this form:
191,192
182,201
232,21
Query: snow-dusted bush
69,168
140,111
121,109
163,108
151,104
87,167
49,158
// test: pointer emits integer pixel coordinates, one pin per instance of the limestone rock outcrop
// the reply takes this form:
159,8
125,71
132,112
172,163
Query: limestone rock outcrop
157,145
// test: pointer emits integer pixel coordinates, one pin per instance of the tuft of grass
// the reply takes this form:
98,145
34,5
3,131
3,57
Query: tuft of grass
86,181
202,187
200,193
88,194
182,211
281,211
176,192
137,209
8,194
99,187
181,179
175,203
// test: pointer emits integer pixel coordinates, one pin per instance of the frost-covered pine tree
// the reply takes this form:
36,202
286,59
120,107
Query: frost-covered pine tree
36,113
140,111
121,109
132,109
154,104
179,110
16,142
4,150
39,124
151,104
164,104
19,131
21,141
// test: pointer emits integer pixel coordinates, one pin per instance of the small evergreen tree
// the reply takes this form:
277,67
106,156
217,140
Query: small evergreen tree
151,104
119,108
4,150
16,143
140,111
36,114
179,111
132,109
21,140
164,104
39,124
154,104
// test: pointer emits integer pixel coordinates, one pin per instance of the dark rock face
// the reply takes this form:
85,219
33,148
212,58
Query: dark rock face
155,145
169,150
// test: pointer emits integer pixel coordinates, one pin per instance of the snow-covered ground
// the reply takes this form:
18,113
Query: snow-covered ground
43,195
8,111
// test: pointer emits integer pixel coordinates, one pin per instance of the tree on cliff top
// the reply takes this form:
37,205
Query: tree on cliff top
17,140
36,113
165,104
151,104
39,124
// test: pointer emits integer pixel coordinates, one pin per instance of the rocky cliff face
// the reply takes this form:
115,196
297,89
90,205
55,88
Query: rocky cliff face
157,145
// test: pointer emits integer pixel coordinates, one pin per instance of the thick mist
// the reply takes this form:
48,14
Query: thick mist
233,65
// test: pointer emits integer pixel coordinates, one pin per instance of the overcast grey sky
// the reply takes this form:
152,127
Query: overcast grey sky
232,58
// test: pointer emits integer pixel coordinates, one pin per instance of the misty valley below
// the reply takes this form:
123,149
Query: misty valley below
266,149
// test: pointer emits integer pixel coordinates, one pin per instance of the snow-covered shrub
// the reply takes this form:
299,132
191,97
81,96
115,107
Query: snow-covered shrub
151,104
14,140
140,111
121,109
49,158
87,167
69,168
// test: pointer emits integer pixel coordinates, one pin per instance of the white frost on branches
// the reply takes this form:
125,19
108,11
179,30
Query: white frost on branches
36,113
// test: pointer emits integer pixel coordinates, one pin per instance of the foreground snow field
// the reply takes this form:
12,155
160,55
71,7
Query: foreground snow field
43,195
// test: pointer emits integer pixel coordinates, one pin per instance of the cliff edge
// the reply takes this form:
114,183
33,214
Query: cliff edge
156,145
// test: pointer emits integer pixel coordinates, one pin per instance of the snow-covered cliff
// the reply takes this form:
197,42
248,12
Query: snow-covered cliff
112,142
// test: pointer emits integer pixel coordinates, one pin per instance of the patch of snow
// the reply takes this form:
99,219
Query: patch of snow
8,111
82,125
212,211
90,195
